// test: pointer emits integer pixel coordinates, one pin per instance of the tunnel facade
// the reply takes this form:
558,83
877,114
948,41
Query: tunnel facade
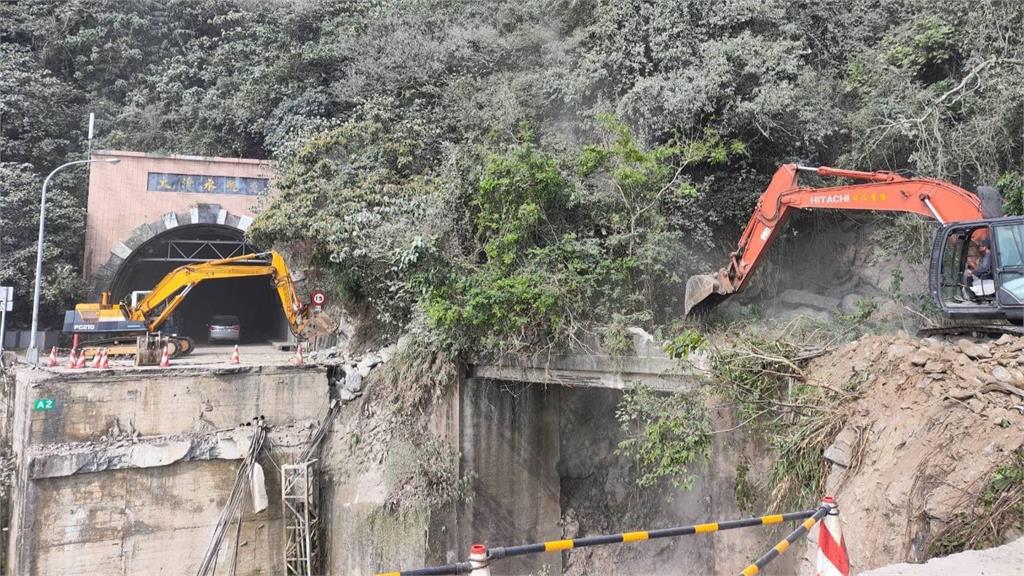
149,214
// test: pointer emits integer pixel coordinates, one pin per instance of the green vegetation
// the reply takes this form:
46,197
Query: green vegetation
1011,186
398,128
423,472
761,376
992,518
680,347
666,436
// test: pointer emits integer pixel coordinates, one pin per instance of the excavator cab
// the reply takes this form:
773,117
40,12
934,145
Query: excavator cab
957,249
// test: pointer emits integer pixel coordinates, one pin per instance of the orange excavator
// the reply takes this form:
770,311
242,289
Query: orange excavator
969,224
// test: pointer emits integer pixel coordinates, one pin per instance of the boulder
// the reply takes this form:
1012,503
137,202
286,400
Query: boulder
386,353
1002,374
972,349
809,299
841,450
919,358
367,364
353,381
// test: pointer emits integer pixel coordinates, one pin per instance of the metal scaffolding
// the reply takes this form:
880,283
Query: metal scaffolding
299,498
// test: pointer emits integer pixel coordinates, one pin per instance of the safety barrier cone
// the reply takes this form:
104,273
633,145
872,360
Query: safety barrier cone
165,360
97,360
72,361
832,557
53,357
235,358
298,354
105,362
82,360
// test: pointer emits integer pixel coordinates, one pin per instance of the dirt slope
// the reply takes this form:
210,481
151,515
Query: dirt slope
932,421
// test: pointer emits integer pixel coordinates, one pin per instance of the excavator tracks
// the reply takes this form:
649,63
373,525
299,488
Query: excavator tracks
974,330
128,348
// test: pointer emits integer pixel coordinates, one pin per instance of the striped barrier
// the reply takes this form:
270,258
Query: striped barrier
788,541
478,566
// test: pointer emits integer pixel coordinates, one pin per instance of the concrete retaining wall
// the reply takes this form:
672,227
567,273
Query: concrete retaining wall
157,519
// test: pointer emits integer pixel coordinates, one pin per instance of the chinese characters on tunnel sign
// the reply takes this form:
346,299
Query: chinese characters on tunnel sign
203,184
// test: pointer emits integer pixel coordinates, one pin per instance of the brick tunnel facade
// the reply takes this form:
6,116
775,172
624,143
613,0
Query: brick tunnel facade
149,214
145,195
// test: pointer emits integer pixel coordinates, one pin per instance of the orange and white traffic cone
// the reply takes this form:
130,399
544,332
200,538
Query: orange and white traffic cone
104,362
53,357
72,361
97,360
165,360
832,557
235,358
82,361
298,354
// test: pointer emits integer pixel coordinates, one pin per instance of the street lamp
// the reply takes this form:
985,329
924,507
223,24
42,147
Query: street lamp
33,352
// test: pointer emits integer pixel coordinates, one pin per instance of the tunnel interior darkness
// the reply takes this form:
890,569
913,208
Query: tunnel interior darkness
252,299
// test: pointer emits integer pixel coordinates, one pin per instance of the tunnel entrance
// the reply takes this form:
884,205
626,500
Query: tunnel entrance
253,300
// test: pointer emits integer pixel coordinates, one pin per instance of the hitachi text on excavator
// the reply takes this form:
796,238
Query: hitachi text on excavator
969,223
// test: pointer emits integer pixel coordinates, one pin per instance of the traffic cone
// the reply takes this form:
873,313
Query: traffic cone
82,361
235,358
97,360
53,357
298,354
165,360
105,362
72,361
832,557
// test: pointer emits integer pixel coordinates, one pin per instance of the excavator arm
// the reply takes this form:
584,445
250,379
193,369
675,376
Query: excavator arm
880,191
172,290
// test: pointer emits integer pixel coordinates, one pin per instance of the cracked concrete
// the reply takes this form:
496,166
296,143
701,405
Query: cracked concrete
129,471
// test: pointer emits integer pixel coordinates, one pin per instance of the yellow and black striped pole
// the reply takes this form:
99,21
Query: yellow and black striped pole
788,541
625,537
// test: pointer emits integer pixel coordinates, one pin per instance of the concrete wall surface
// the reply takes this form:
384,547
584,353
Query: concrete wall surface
154,401
130,469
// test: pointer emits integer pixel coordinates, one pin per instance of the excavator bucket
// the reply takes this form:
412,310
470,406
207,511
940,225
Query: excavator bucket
703,292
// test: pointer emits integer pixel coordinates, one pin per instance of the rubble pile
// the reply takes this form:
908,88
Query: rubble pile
349,373
930,421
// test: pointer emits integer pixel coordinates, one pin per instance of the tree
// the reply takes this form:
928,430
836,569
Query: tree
20,189
39,114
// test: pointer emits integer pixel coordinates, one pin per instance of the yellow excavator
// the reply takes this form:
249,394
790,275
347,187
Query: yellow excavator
134,330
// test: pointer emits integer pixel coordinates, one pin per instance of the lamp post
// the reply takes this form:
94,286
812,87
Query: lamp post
33,351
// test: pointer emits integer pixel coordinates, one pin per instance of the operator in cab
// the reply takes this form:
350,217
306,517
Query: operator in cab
983,269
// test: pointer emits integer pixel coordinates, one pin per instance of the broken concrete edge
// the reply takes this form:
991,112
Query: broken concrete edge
576,378
658,372
60,460
118,373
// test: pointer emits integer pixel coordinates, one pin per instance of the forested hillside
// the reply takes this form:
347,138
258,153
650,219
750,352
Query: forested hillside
512,173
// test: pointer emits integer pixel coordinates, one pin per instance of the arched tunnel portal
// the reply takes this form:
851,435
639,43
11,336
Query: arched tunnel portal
253,300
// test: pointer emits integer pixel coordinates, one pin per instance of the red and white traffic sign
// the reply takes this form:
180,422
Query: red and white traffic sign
318,298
